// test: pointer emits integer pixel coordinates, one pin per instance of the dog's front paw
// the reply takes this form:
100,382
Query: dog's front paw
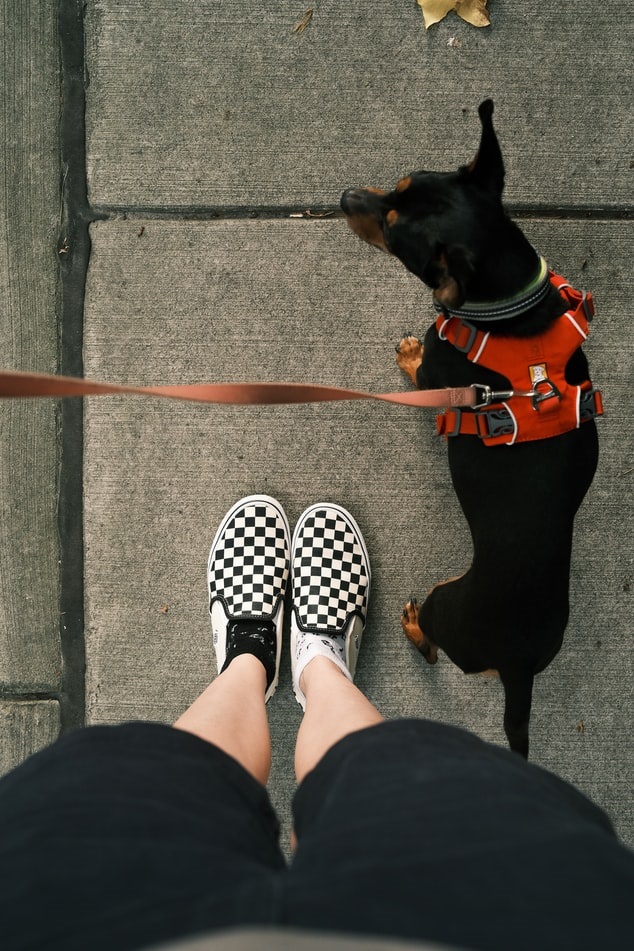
409,623
409,356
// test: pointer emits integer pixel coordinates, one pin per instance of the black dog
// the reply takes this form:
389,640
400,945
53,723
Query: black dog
522,462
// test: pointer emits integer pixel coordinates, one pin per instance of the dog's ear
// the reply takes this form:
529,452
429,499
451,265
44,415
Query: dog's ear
487,168
449,272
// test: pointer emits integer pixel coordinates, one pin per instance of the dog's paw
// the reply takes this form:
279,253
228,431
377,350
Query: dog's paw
409,356
409,623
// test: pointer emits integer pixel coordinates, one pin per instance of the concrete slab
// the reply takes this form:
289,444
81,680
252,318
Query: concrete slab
225,105
29,217
25,728
175,301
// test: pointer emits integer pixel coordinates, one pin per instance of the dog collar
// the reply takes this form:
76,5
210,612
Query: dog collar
510,306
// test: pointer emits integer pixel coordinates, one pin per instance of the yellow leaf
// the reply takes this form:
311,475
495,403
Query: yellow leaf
435,10
473,11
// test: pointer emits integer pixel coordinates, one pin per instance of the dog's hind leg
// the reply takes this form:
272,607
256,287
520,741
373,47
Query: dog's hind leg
518,693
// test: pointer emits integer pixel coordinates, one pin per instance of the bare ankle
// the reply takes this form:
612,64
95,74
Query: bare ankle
316,669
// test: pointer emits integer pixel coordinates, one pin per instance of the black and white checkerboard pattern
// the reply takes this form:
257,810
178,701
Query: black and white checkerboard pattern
330,575
249,563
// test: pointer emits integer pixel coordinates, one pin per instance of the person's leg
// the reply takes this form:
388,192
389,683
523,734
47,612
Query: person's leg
414,829
164,832
334,708
160,834
231,714
421,831
247,573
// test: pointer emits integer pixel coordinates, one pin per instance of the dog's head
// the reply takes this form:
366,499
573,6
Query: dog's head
437,223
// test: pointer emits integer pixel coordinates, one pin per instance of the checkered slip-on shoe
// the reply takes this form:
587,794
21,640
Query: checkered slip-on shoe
331,586
247,574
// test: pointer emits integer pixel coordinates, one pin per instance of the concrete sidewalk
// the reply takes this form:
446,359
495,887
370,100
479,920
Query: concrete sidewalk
207,127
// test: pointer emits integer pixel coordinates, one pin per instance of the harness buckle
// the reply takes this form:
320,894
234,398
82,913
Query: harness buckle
494,422
587,303
590,405
472,331
457,423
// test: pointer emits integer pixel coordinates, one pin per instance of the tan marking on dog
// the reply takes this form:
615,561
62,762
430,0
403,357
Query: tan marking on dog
391,218
367,226
403,184
439,584
368,229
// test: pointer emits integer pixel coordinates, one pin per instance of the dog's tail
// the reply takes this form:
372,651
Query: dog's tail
518,692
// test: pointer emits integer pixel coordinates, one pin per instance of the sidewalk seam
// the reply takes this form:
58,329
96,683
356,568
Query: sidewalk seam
73,255
327,212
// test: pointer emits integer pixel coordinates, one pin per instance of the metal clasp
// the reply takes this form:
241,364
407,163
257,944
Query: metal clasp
485,395
538,396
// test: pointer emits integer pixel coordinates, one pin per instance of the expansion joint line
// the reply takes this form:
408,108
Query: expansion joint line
73,253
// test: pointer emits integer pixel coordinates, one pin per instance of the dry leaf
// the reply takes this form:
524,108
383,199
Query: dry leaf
311,214
317,214
473,11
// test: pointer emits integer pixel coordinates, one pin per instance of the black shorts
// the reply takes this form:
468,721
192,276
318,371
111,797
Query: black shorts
120,837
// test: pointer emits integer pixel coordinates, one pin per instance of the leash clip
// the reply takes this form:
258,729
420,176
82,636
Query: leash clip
543,390
538,396
485,395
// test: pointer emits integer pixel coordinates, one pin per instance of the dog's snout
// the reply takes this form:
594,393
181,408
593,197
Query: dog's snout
352,201
361,201
364,212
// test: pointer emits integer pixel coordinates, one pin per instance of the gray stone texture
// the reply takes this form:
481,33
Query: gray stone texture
29,219
223,104
26,727
173,301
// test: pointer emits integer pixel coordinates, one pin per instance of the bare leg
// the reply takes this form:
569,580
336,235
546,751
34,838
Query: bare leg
231,714
334,708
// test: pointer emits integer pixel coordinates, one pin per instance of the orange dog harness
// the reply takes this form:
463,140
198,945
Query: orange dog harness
540,403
